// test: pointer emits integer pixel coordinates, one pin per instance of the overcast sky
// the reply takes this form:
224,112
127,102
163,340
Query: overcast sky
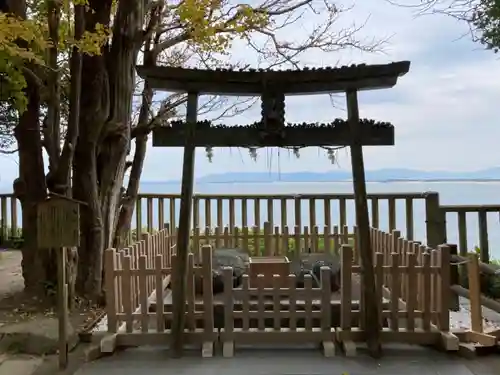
443,109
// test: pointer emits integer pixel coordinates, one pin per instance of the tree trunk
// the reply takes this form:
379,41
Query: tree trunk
93,112
128,203
30,189
127,39
141,139
104,141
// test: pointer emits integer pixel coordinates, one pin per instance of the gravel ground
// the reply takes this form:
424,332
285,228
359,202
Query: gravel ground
460,320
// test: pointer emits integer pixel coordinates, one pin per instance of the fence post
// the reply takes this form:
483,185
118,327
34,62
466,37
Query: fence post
345,291
110,289
444,313
148,251
476,315
208,301
435,220
454,278
267,239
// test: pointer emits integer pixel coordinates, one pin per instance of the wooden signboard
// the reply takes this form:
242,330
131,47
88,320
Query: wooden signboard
58,221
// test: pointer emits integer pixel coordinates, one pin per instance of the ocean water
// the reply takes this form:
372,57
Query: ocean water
451,193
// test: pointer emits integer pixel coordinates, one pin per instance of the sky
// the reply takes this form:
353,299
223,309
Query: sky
443,110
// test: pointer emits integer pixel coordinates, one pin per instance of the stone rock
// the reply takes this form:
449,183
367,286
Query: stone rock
35,337
311,263
20,365
225,257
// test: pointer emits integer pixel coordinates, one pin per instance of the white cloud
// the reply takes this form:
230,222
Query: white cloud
444,109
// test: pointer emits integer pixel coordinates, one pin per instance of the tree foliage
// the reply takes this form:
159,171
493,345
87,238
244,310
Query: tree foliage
482,16
20,43
8,119
24,42
71,92
486,20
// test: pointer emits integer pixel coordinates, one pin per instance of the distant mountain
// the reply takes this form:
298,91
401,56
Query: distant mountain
381,175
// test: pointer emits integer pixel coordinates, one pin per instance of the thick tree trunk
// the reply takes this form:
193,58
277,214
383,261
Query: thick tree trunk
104,140
30,189
127,39
94,110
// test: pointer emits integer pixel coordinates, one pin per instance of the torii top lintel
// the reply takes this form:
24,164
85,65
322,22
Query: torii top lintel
291,82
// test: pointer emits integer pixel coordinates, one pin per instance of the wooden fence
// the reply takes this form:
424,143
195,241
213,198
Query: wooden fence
287,308
415,279
127,289
275,241
130,325
252,314
312,210
481,335
479,215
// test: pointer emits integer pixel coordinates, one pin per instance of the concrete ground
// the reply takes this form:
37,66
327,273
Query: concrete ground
397,361
19,365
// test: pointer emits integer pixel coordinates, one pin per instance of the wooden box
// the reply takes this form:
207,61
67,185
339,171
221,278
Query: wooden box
269,266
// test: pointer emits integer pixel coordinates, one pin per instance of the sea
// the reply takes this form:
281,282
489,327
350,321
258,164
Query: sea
450,193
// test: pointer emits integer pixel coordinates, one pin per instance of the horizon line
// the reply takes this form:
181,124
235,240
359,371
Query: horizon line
390,180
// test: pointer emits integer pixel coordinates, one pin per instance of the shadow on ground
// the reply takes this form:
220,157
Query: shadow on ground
290,361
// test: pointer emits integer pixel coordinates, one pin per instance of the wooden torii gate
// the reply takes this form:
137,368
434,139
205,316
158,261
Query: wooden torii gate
272,131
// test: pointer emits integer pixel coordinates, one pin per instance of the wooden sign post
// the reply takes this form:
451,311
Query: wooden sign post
58,220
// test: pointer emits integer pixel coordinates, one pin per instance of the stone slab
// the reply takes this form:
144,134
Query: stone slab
20,366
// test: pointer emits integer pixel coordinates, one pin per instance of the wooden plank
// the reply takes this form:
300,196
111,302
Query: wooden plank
476,315
58,223
248,136
179,280
372,320
63,311
253,81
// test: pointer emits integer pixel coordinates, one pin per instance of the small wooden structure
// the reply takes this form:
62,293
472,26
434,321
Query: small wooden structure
58,226
268,267
272,130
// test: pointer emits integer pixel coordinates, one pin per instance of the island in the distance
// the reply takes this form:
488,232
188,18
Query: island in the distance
380,175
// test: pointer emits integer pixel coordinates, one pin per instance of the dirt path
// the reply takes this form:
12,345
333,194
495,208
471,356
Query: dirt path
11,279
16,307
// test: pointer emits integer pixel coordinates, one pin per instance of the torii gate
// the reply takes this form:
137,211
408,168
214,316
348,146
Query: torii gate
272,86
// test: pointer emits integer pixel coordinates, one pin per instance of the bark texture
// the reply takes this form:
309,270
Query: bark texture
104,140
30,187
96,143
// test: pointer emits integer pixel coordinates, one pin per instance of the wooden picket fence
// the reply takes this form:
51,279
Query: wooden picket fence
274,241
278,314
415,279
129,290
283,313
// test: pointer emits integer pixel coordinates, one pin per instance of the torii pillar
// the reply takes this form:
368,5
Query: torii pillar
179,277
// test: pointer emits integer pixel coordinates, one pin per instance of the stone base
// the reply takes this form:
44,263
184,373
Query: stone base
36,337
